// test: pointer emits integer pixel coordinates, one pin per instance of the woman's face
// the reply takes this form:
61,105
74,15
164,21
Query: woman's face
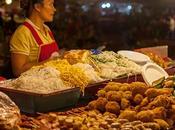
47,10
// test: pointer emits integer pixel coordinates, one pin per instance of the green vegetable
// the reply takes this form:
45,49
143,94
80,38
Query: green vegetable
158,83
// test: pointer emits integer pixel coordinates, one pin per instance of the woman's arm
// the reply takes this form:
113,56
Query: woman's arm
20,63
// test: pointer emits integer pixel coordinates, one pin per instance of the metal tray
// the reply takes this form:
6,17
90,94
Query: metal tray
32,103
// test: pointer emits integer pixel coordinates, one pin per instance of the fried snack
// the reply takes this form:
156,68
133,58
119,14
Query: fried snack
152,125
161,101
157,59
153,92
128,95
113,107
173,109
163,124
165,91
101,93
138,99
124,104
114,96
125,87
92,105
145,116
100,104
159,113
112,86
168,84
139,127
128,114
144,102
138,88
77,56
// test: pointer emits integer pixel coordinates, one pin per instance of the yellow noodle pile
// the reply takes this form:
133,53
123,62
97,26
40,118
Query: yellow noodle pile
71,75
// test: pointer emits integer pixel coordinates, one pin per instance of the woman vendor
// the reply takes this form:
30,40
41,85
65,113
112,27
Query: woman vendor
33,43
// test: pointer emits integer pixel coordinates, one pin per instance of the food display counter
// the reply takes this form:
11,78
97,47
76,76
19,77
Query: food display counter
106,90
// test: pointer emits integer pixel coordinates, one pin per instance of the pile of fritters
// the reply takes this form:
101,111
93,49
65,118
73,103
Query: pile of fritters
93,120
137,101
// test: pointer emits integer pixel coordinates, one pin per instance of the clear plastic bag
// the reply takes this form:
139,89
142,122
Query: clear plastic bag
9,113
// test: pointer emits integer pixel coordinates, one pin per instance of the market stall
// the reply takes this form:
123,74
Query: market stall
100,85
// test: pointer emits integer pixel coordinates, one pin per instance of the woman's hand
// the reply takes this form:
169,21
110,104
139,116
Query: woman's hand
54,55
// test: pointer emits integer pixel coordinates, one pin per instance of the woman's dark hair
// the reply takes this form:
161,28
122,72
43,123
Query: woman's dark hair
28,5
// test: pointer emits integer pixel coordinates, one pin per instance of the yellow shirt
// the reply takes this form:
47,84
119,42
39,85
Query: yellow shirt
23,42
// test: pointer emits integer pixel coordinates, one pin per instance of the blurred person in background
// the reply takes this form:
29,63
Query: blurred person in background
33,42
1,28
171,28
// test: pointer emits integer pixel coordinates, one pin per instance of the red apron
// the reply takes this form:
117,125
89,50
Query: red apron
45,50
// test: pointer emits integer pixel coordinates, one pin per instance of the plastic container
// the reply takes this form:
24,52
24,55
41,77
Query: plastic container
152,72
32,103
136,57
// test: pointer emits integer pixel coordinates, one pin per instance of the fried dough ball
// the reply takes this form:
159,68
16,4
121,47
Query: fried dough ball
113,107
152,125
125,87
139,127
153,92
165,91
161,101
145,116
101,93
92,105
138,99
159,113
144,102
110,115
163,124
128,114
138,88
173,109
128,95
124,103
84,127
100,104
114,96
112,86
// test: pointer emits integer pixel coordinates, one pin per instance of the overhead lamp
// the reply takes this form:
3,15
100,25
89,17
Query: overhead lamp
8,2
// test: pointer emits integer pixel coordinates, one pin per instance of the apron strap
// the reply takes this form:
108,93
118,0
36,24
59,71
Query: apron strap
51,35
34,33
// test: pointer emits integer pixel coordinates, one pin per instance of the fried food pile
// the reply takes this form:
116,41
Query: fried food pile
90,120
77,56
134,106
137,101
